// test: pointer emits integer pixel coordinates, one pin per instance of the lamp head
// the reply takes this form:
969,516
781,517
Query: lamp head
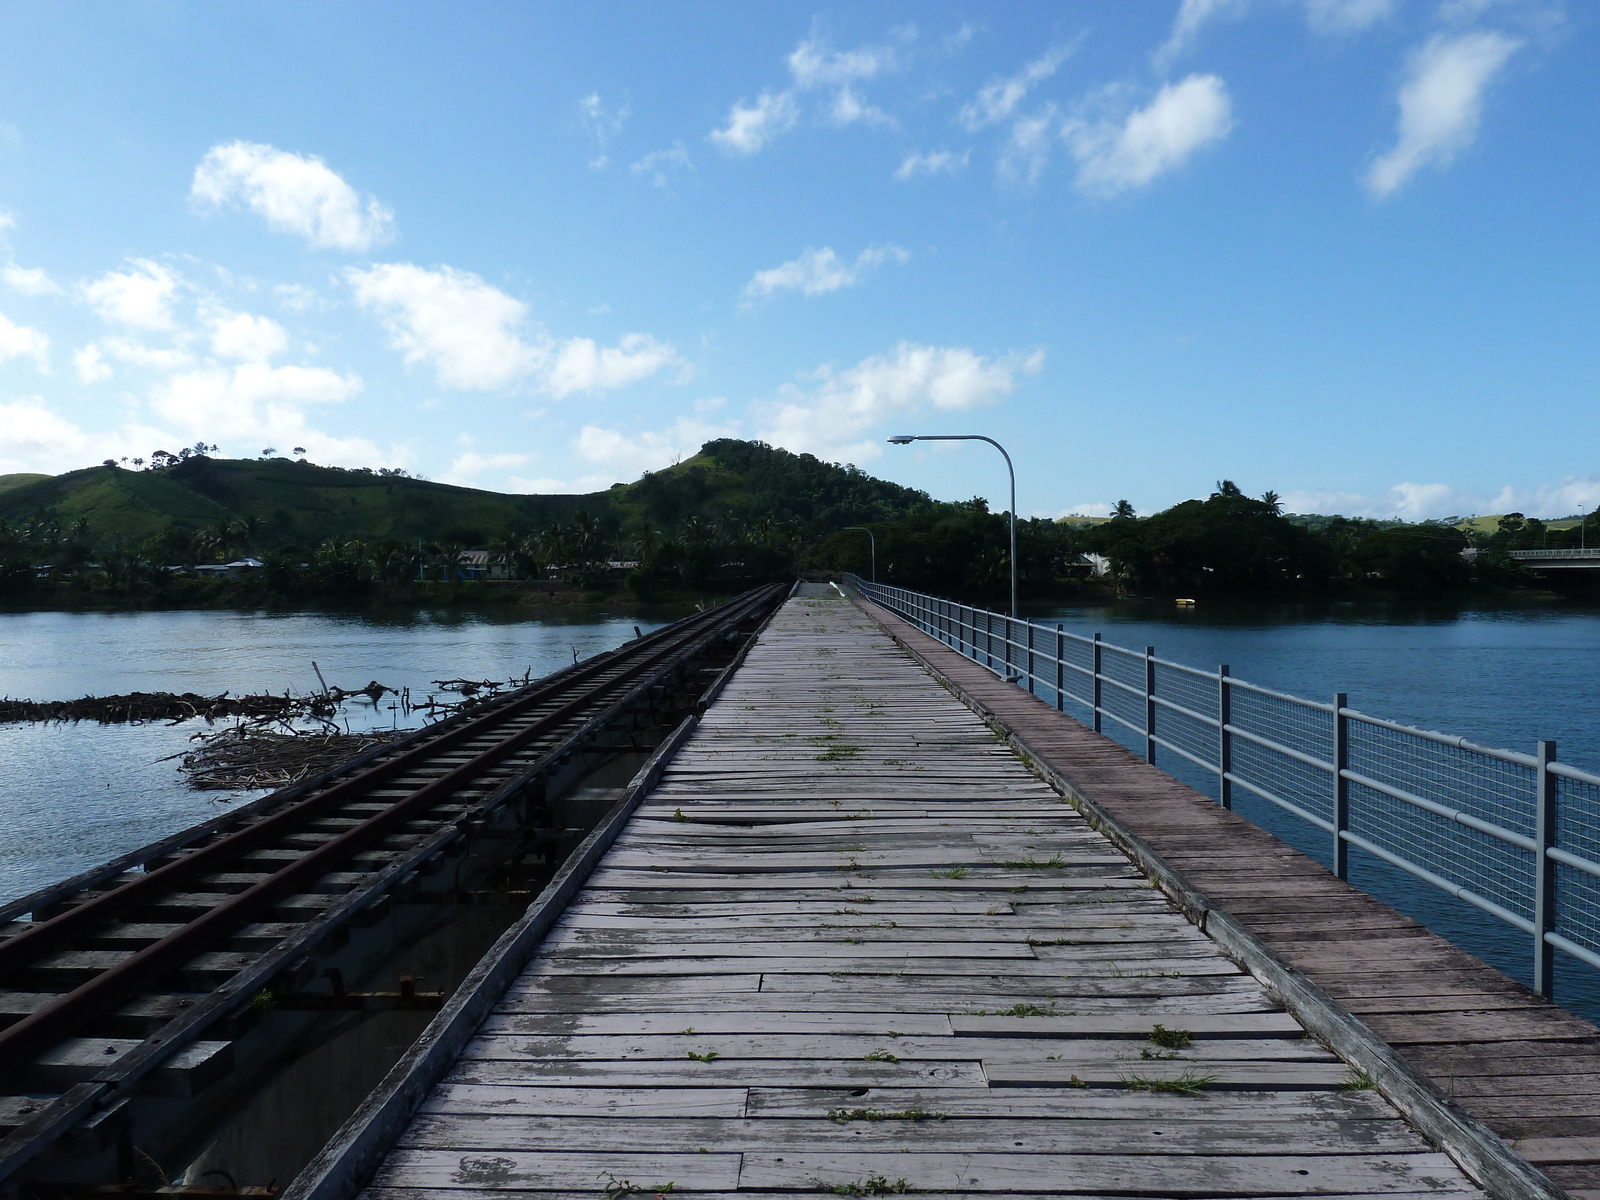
901,439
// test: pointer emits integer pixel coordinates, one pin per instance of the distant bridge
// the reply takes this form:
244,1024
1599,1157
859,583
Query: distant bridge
1559,560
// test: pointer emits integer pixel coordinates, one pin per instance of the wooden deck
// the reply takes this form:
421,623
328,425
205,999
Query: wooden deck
1526,1068
850,945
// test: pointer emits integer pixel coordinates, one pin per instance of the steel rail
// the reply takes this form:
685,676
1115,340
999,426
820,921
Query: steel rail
22,1040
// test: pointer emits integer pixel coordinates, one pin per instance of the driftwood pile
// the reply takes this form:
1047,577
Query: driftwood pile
275,741
250,756
174,706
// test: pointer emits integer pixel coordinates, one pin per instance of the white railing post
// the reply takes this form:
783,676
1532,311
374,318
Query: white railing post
1097,695
1028,625
1150,704
1341,785
1061,669
1224,738
1544,874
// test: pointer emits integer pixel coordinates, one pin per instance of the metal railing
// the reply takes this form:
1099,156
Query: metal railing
1516,835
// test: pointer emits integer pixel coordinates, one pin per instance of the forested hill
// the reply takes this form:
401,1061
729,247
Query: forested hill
300,503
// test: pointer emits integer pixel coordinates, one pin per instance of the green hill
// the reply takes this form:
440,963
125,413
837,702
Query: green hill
303,504
7,482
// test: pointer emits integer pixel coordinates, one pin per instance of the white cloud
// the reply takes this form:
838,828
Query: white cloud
19,340
470,465
582,365
91,367
752,126
470,333
813,64
257,404
602,122
140,298
1186,26
297,297
848,109
1117,154
35,438
617,456
30,281
996,101
817,272
935,162
842,406
1346,16
1027,149
1424,501
134,353
660,164
245,337
452,320
295,194
1441,104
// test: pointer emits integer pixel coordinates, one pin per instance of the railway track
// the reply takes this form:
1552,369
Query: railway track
140,999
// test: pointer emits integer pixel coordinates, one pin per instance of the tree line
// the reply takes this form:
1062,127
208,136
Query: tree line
1226,544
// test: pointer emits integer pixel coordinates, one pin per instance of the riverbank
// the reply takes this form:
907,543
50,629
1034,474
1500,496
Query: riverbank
256,595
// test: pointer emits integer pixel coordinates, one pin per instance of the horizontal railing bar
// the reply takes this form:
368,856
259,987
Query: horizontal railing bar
1443,739
1278,748
1188,712
1187,669
1568,858
1127,687
1234,682
1581,953
1139,654
1286,805
1440,882
1572,773
1443,810
1199,762
1128,725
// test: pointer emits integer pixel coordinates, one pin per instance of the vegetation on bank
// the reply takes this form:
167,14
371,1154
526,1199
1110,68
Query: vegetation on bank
735,515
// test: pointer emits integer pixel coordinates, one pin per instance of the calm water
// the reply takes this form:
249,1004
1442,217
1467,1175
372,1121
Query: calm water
73,796
1503,677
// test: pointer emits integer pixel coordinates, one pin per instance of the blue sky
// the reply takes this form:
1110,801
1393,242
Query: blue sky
1342,249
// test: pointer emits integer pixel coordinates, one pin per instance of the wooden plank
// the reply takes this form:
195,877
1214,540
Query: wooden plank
1070,1103
1232,1025
588,1171
1130,1174
525,1101
725,1073
836,1044
916,1130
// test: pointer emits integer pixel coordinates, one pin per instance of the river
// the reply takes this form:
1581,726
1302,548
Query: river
73,796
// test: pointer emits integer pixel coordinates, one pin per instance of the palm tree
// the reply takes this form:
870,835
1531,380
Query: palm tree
1122,512
1273,501
246,532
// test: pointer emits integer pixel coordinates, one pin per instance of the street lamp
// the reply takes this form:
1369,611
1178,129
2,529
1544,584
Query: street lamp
874,538
905,439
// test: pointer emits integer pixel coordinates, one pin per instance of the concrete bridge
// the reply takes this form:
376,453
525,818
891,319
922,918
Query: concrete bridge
879,922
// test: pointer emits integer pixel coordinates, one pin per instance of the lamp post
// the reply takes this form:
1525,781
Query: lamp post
905,439
874,538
